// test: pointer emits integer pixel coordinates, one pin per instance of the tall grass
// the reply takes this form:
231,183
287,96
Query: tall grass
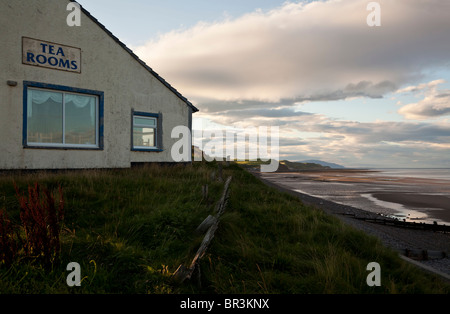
37,236
132,224
129,229
269,242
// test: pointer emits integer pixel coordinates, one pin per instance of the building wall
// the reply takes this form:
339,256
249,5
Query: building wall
106,67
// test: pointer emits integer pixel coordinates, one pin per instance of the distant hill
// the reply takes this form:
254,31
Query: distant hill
285,165
324,163
293,165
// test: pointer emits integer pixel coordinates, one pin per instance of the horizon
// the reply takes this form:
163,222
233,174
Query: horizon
339,89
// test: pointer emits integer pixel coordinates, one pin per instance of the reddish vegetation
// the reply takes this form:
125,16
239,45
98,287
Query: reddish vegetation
38,235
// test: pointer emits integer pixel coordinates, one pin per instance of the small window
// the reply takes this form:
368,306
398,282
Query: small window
145,132
61,117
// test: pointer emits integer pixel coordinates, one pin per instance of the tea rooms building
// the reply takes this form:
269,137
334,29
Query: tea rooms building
76,96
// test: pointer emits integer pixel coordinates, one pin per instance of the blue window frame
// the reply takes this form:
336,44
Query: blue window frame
146,132
62,117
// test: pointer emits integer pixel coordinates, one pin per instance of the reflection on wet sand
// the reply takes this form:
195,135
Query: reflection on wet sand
405,197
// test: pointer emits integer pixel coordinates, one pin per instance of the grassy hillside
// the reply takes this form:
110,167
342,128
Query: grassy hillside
302,165
285,165
130,229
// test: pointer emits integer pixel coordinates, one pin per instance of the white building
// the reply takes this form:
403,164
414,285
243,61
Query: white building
76,97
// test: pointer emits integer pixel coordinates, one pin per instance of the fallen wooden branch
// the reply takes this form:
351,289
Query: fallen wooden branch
212,223
206,224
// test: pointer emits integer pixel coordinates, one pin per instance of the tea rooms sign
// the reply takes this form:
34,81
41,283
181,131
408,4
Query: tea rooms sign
50,55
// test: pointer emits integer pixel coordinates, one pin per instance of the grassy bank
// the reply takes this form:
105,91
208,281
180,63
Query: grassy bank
130,229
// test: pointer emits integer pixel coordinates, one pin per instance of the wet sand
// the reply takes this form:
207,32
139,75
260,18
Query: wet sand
434,205
408,198
400,239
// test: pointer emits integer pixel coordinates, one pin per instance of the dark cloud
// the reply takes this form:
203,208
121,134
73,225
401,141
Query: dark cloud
377,132
256,69
305,51
266,113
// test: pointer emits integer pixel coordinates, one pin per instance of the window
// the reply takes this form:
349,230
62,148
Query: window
146,132
62,117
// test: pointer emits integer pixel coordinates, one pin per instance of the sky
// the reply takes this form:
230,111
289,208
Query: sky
338,89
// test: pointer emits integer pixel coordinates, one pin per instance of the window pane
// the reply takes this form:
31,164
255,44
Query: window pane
80,119
144,137
141,121
45,121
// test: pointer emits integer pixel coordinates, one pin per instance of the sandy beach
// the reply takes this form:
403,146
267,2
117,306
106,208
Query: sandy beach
400,239
409,198
440,203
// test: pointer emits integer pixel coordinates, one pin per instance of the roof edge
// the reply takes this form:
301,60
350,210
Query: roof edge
156,75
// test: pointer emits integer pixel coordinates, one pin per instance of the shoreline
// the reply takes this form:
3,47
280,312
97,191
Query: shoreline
418,199
402,240
437,206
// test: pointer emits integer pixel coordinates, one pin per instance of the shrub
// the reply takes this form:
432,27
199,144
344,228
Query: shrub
41,221
8,246
37,237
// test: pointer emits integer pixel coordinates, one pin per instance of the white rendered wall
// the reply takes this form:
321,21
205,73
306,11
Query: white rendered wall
106,67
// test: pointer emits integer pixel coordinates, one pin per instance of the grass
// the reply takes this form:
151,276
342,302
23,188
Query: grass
129,229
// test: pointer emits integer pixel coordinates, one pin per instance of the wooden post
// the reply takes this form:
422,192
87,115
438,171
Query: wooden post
205,192
219,175
182,273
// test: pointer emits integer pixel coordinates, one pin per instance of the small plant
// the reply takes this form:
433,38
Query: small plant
8,245
37,237
41,220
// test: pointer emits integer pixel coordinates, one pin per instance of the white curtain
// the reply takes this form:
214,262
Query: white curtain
82,101
39,97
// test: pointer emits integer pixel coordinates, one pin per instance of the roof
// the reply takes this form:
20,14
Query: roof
156,75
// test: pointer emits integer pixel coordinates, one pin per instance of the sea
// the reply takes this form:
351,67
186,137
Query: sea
426,173
362,189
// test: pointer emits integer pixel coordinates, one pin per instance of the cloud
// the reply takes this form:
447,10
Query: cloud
393,132
256,69
421,87
304,51
382,143
389,144
435,104
266,113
